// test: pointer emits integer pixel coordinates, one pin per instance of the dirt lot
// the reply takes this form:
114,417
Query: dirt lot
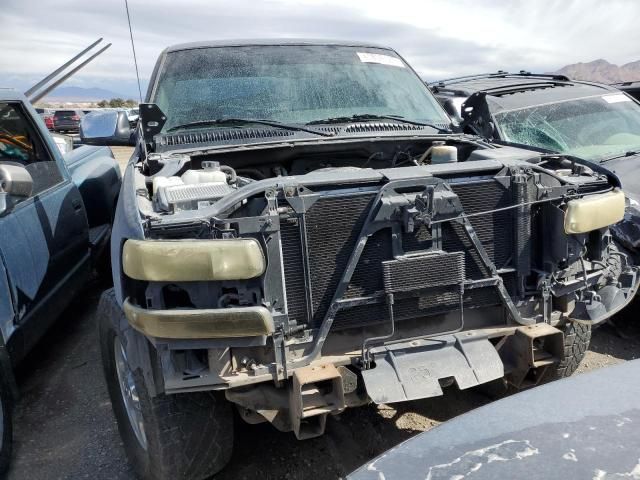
65,428
122,155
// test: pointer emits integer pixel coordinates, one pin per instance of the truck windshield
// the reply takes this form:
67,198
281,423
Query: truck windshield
595,128
293,84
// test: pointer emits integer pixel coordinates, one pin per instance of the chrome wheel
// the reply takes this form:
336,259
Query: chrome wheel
129,393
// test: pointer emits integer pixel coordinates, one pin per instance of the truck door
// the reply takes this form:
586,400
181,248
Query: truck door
44,239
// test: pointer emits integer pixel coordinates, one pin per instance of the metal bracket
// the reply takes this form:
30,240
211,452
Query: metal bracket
152,119
366,354
280,353
502,291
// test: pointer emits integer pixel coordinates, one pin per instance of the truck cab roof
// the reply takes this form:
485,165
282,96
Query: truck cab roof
516,90
268,42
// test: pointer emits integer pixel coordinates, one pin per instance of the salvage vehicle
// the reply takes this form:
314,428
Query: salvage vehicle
55,222
632,88
527,436
553,113
300,231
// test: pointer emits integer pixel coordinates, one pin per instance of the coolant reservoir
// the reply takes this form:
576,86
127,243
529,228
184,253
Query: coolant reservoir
159,182
444,154
210,173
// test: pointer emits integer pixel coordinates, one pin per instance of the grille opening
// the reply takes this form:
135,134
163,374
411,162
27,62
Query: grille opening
176,297
411,189
341,339
419,240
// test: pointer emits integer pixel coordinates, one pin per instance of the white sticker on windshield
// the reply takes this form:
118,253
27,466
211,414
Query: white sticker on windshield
381,59
616,98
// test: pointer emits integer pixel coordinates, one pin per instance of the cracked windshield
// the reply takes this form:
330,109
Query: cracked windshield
595,128
293,84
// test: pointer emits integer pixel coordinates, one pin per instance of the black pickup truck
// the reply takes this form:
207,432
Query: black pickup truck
300,231
56,214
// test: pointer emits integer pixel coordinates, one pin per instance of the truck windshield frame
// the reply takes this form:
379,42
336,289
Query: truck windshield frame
293,84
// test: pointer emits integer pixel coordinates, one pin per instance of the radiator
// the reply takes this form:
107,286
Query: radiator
333,225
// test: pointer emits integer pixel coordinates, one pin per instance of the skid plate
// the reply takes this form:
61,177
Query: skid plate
411,371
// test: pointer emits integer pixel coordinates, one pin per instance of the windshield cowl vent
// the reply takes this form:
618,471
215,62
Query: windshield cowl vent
329,129
221,135
380,127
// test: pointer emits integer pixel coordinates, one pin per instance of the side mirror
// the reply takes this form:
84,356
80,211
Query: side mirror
107,128
16,184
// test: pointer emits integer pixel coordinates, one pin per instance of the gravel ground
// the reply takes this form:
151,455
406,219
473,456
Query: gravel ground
122,155
64,427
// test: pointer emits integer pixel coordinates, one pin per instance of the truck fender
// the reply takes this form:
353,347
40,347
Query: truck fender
96,173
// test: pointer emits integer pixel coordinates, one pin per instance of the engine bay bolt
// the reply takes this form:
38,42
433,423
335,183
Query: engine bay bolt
247,362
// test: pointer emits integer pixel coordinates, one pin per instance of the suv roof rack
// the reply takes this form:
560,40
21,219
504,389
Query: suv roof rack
624,84
500,74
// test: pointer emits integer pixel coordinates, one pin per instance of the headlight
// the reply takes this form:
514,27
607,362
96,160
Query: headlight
193,260
200,323
594,212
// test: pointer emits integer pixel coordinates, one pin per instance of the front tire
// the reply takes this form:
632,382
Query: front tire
577,336
187,436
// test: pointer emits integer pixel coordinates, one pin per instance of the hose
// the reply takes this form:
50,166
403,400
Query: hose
230,172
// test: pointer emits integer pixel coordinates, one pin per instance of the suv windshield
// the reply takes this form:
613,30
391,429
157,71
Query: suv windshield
595,128
292,84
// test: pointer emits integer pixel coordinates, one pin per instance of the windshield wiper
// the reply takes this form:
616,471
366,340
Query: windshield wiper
630,153
371,116
247,121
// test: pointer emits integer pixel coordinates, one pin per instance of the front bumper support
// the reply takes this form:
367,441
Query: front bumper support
406,372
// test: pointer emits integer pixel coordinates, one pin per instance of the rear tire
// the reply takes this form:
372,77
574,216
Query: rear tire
6,435
577,337
187,436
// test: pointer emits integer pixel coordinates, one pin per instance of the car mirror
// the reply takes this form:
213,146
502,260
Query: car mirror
16,184
107,128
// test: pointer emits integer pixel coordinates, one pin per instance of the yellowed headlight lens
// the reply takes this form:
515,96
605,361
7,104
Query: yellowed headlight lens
593,212
193,260
200,323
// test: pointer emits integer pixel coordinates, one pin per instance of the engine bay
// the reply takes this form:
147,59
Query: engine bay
176,182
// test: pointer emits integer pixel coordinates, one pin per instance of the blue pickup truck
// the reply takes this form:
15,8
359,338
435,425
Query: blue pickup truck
56,214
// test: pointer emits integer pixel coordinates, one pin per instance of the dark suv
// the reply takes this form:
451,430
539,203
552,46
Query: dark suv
555,114
67,120
632,88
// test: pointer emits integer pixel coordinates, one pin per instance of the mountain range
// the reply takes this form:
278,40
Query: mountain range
596,71
602,71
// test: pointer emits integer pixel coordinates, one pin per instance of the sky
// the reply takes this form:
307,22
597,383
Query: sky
439,38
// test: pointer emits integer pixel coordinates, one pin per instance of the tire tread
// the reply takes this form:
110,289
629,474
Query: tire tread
577,337
189,435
